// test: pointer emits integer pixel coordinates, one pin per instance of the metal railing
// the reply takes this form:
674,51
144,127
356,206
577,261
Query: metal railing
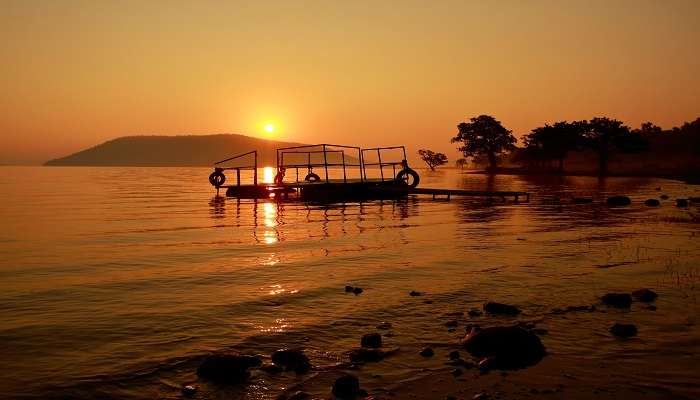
253,167
297,150
382,164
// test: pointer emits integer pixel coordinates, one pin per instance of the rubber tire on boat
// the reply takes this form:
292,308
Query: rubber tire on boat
311,177
402,177
217,178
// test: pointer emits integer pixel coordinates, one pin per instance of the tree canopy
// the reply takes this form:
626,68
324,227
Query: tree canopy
432,159
554,142
484,136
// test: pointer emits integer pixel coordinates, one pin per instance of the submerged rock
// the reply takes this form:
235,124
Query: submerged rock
663,197
582,200
682,203
373,340
456,372
357,290
271,368
623,330
349,289
292,359
384,325
427,352
645,295
227,367
694,199
619,300
454,355
364,354
474,312
619,201
189,390
414,293
347,387
299,396
509,347
652,203
500,308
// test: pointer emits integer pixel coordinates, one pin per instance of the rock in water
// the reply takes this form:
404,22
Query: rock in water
373,340
663,197
619,300
414,293
189,390
645,295
454,355
364,354
347,387
384,325
619,201
349,289
357,290
623,330
228,367
509,347
652,203
682,203
292,359
474,312
500,308
427,352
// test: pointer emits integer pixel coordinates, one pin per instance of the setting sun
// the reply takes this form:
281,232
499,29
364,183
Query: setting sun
269,128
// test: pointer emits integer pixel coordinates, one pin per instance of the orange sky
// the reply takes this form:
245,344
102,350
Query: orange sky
76,73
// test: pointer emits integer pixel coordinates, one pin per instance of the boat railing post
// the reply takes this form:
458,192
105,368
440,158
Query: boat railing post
325,162
381,167
238,177
345,178
255,168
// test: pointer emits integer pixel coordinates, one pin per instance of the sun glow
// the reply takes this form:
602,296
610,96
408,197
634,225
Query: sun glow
269,128
268,174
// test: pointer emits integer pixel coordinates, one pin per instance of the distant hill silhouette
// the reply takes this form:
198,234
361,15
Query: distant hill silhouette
189,150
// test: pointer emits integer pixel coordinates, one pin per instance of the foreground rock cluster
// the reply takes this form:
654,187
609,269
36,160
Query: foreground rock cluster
501,347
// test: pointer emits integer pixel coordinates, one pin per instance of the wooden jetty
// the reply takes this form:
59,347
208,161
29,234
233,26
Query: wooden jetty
401,182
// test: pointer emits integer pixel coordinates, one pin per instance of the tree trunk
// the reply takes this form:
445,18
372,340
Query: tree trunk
492,161
603,162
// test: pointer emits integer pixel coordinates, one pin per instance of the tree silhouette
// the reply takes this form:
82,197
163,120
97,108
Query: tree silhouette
484,136
602,135
554,142
432,159
461,163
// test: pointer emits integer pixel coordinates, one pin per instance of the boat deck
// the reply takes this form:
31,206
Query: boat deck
340,190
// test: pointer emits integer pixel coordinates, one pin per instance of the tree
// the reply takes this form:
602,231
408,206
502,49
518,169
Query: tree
484,136
603,134
461,163
554,142
432,158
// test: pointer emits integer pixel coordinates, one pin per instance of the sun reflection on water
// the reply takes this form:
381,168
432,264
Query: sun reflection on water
268,175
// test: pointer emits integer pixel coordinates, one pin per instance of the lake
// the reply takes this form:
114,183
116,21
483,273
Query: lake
115,282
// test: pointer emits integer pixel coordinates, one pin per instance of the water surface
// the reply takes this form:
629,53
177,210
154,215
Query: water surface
114,282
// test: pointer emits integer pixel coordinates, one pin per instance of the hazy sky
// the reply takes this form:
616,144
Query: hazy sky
76,73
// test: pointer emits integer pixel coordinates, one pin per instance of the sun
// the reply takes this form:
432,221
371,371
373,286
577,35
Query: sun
269,128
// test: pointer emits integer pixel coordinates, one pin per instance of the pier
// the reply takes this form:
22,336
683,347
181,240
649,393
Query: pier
396,179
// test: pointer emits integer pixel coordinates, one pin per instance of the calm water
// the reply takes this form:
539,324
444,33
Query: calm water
115,281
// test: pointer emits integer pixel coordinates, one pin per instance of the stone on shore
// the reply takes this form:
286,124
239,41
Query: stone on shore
292,360
500,308
645,295
373,340
617,201
509,347
619,300
623,330
227,367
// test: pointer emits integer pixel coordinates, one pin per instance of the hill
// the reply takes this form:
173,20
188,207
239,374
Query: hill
189,150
